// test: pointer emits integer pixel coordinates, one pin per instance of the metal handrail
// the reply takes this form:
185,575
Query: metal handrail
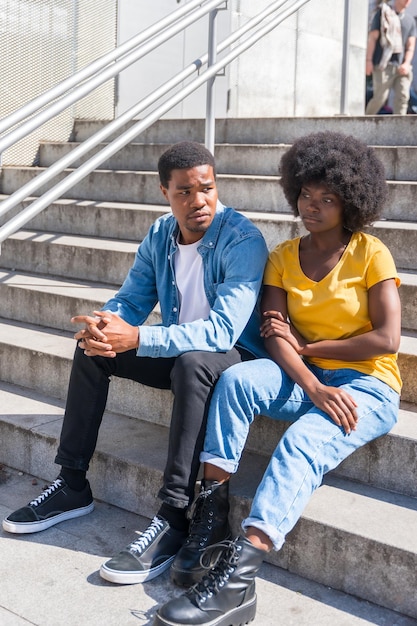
64,162
92,83
38,205
92,68
345,58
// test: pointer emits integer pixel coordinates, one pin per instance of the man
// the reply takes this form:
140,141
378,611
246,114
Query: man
204,264
396,72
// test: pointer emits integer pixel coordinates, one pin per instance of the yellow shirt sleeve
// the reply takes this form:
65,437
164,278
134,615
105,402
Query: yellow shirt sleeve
335,307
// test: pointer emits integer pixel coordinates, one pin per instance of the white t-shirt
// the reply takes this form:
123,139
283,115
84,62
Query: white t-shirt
190,283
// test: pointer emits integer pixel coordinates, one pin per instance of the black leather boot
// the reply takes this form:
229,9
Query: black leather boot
209,525
224,597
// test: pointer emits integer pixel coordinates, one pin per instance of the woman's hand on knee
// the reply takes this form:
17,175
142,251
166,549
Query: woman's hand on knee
338,404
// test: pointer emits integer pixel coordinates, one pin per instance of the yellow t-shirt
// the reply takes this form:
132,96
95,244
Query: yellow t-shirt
336,307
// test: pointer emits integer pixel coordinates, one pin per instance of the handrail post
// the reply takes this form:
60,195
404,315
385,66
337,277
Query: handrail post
210,114
345,59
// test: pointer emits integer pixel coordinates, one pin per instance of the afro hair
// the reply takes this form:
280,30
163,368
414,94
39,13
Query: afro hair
347,166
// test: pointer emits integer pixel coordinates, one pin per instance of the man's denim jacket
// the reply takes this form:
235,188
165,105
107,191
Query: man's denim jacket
234,254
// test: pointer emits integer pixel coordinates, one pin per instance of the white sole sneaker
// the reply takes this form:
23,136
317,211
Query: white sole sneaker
131,578
22,528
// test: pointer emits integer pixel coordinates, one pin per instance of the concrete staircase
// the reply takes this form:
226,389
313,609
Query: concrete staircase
358,533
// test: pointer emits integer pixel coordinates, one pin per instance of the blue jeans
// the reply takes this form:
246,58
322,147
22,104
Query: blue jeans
311,446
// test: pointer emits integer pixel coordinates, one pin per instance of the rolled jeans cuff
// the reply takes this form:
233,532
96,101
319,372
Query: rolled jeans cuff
274,535
228,466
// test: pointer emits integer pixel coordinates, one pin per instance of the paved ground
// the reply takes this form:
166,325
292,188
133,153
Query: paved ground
51,578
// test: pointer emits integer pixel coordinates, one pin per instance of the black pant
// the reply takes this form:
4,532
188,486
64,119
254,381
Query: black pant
191,378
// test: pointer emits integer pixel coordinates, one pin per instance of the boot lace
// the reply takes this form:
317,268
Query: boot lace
146,538
47,492
202,518
216,578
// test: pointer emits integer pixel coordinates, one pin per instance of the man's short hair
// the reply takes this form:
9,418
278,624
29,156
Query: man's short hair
183,155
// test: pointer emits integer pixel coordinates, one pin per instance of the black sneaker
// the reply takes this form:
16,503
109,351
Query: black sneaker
56,503
146,557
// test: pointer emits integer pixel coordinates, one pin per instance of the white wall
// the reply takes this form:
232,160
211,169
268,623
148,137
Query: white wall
295,70
168,59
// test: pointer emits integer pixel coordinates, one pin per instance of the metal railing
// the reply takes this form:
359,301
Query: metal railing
111,64
100,71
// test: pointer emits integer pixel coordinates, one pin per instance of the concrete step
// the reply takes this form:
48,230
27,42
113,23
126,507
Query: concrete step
400,162
107,260
124,220
40,358
75,257
131,222
408,300
407,365
71,553
387,130
357,532
389,462
244,192
50,302
372,528
256,193
41,362
47,301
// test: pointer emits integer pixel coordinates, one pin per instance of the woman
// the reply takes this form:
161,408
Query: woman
332,328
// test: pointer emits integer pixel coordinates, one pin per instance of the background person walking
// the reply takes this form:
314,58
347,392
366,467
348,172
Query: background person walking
389,55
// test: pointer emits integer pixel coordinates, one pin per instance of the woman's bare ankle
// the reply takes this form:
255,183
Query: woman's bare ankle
212,472
259,539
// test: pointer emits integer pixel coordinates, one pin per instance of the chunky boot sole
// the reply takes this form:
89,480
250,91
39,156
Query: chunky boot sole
22,528
239,616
